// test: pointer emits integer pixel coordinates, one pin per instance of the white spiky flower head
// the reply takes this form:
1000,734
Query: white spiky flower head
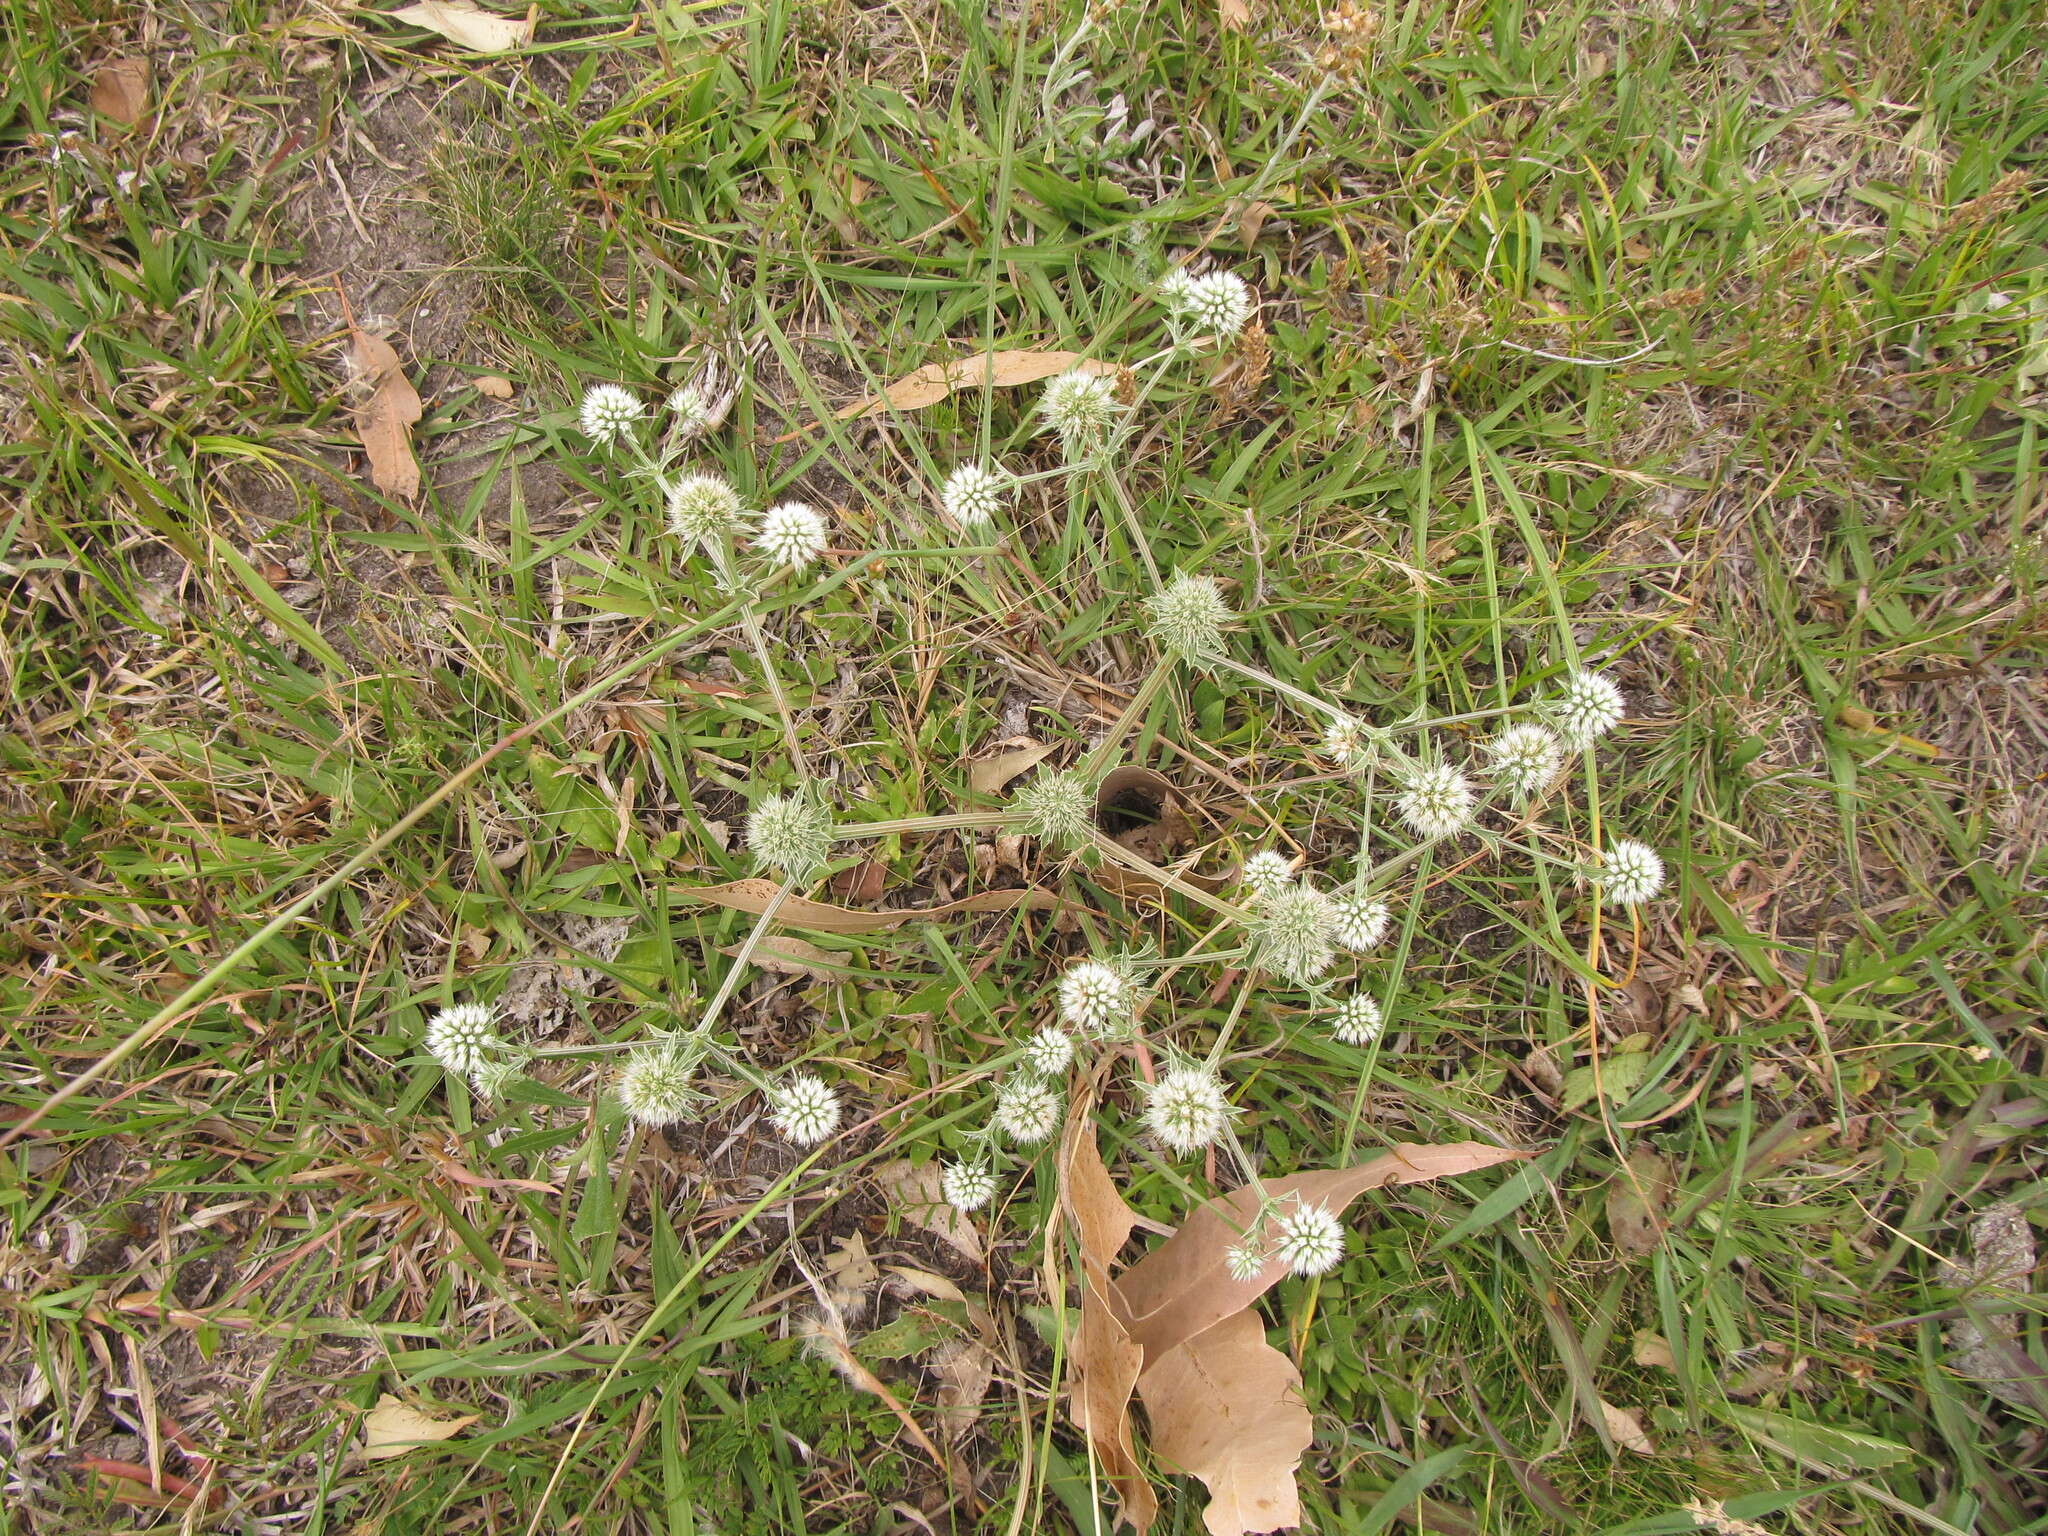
1628,873
1356,1020
1435,800
1291,932
1176,292
803,1109
1187,1109
1028,1108
973,494
1267,871
1309,1239
1188,616
1049,1052
492,1079
461,1037
1098,999
704,507
967,1186
1219,304
1347,742
1081,407
1524,758
1361,921
791,832
609,412
1059,807
691,410
657,1083
1245,1259
792,534
1587,708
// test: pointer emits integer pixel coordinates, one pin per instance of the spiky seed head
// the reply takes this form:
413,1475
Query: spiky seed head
1628,873
1098,999
1347,742
1081,407
1361,922
1219,304
1436,800
1587,708
1028,1108
1291,932
791,832
1188,616
1187,1109
461,1037
792,534
1524,758
1245,1259
691,410
657,1084
492,1079
1309,1239
609,412
1356,1020
703,508
967,1186
803,1109
1176,292
1268,870
1059,807
1049,1052
973,495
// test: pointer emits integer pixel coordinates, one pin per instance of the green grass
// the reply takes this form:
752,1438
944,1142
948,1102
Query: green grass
1793,502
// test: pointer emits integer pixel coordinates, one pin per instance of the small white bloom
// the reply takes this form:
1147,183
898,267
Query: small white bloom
1188,616
1176,292
1187,1109
1028,1109
1348,742
1049,1052
1219,304
1361,921
1081,407
804,1109
1588,707
491,1079
1436,800
1628,873
703,507
792,833
1309,1238
1524,758
1356,1020
967,1186
792,534
1291,931
1267,871
1245,1260
1059,807
657,1084
461,1037
1097,999
973,495
609,412
691,410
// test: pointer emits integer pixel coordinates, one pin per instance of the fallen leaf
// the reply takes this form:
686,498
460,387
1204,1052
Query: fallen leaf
964,1370
913,1189
864,882
822,917
850,1274
1235,15
468,25
392,1428
384,419
785,956
1654,1350
494,385
1184,1285
1638,1200
934,381
991,774
1627,1429
120,90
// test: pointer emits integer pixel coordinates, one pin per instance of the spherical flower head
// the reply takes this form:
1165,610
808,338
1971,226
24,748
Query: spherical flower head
1187,616
492,1079
791,534
967,1186
1245,1259
1347,742
461,1037
1356,1020
691,410
1028,1109
1049,1052
803,1109
609,412
1628,873
1361,922
1435,800
1219,304
1059,807
1587,708
657,1084
1524,758
973,495
1308,1239
703,507
1176,292
792,833
1187,1109
1267,871
1291,933
1098,999
1081,407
